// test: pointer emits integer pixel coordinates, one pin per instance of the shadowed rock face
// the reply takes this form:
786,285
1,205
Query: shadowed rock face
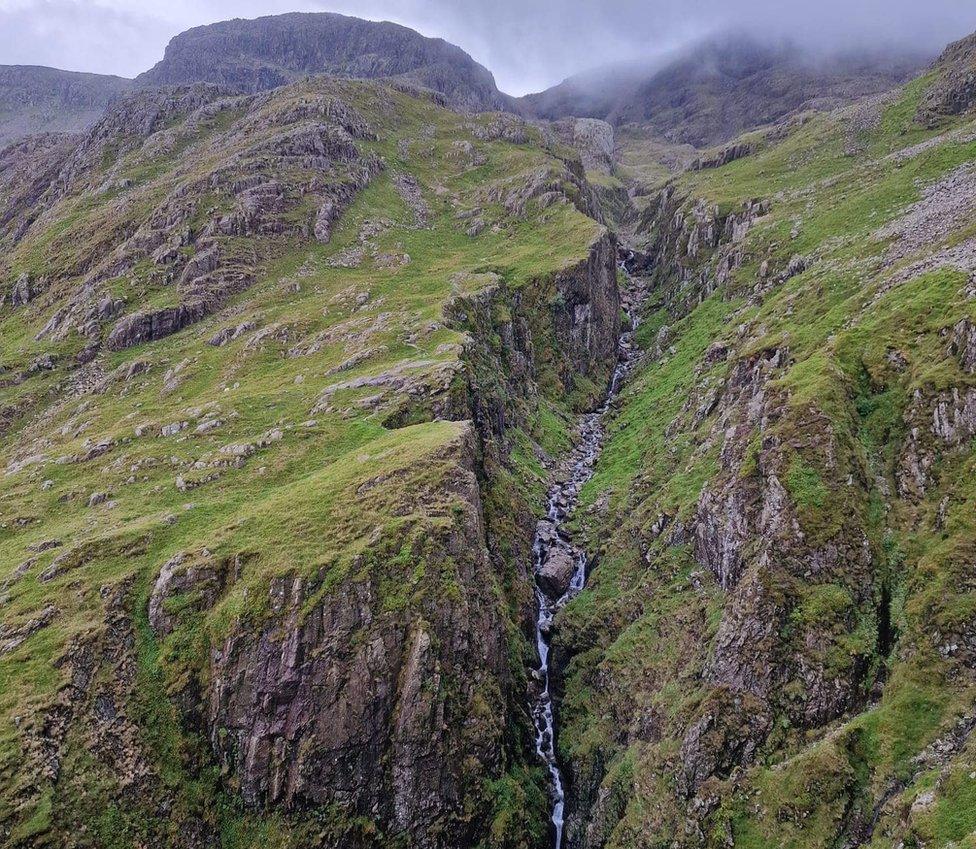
253,55
720,89
46,100
347,704
955,88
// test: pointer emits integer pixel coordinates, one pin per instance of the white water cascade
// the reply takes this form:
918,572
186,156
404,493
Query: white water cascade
562,501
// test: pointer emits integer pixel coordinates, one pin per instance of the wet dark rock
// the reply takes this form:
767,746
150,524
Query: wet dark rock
21,294
727,734
556,571
229,334
717,352
935,424
962,345
97,498
138,328
954,90
45,545
11,636
724,155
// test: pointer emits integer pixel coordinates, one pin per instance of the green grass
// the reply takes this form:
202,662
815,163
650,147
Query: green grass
865,589
327,492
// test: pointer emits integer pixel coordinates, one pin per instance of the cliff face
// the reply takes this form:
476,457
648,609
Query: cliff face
954,87
254,55
342,701
280,383
767,652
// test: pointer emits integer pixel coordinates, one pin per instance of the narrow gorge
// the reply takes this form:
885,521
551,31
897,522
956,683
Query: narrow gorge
560,566
389,462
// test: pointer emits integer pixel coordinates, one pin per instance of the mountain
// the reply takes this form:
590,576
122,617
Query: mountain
776,644
251,56
254,55
45,100
720,89
362,487
276,375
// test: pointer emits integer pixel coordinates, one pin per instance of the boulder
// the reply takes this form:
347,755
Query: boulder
21,293
556,572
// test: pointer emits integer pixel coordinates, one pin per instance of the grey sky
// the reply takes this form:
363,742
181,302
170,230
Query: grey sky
528,44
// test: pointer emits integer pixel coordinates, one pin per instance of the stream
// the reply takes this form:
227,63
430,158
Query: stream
559,565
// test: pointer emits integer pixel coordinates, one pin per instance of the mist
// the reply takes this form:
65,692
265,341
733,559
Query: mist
528,44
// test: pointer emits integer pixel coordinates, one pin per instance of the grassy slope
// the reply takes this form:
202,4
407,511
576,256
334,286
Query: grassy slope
641,635
294,505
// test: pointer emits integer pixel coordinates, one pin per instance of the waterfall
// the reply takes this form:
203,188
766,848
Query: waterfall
551,533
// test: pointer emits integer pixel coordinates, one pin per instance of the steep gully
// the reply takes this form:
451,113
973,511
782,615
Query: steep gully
556,558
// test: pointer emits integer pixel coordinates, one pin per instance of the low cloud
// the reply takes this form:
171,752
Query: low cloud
528,44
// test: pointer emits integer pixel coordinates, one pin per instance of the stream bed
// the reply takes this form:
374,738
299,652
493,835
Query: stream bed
560,566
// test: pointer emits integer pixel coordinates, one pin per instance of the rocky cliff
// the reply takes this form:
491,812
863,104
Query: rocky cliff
254,55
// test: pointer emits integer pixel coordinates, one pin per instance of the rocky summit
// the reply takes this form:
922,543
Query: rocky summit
248,56
382,471
253,55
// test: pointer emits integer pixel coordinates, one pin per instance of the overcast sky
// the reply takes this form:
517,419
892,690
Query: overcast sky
528,44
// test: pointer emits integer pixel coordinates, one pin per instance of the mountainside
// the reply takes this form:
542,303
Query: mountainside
777,644
363,488
720,89
278,374
46,100
254,55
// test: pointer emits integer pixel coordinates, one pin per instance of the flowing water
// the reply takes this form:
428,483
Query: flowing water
551,534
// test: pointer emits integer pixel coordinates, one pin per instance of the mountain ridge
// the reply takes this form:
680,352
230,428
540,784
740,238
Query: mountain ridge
261,53
715,90
36,99
249,55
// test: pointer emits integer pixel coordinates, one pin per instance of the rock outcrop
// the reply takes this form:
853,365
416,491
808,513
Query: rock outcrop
954,89
255,55
179,241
